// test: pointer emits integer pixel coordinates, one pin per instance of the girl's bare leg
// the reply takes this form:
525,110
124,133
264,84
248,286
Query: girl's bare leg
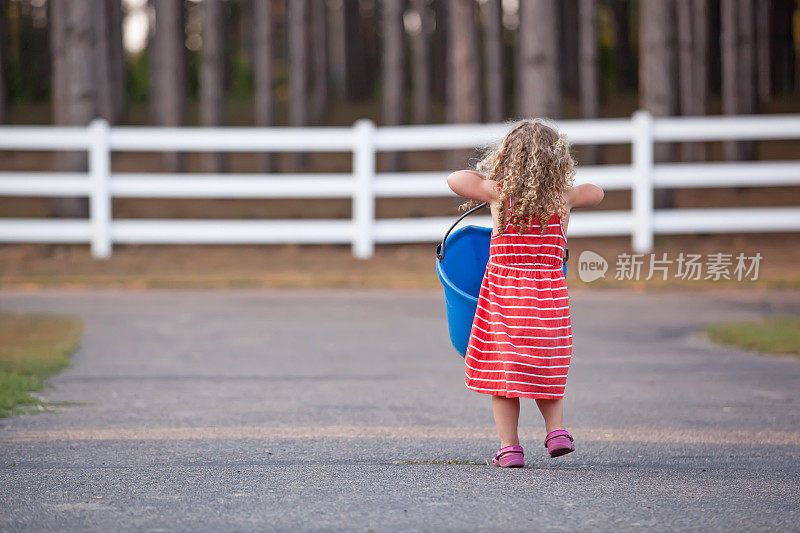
553,413
506,417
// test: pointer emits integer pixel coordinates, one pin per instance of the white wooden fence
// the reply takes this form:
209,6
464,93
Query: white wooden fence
364,184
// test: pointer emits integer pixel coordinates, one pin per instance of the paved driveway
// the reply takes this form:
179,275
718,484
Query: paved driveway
208,410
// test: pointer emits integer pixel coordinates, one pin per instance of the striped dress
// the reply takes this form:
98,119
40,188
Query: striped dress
521,339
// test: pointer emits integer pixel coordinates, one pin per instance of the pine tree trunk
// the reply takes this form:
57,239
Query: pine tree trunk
74,90
319,41
700,64
108,59
692,19
58,83
442,66
781,45
168,73
748,103
3,60
729,39
493,62
626,69
357,87
700,16
392,67
538,92
738,69
465,89
746,55
262,74
657,74
569,48
588,74
117,69
685,57
421,64
298,67
337,49
763,62
212,76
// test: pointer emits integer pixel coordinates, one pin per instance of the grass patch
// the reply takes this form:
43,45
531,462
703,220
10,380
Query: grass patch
775,335
32,347
438,462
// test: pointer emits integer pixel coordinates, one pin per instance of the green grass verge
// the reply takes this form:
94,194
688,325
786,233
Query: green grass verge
32,347
776,335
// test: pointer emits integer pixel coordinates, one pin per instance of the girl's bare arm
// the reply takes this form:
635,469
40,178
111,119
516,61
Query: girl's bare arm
585,195
474,185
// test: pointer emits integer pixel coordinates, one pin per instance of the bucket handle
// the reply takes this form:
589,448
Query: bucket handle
440,247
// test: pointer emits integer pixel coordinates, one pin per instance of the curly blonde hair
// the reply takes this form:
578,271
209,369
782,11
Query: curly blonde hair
534,168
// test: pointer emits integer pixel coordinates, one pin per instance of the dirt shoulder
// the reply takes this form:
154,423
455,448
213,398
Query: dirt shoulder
33,266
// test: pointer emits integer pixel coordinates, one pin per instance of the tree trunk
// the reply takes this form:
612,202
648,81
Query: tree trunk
74,90
685,57
298,66
626,69
781,45
746,54
442,66
700,57
465,89
588,75
58,84
168,73
319,103
3,63
109,60
392,90
737,44
714,58
117,69
106,75
337,48
566,15
657,73
692,18
762,50
212,76
729,38
538,92
421,63
746,69
699,67
493,62
357,87
262,74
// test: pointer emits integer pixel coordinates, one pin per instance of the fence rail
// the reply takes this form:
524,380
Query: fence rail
364,185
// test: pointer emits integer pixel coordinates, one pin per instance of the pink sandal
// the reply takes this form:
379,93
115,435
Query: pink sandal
510,456
559,442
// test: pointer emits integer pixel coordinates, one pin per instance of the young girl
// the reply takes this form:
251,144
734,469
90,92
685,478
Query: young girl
521,340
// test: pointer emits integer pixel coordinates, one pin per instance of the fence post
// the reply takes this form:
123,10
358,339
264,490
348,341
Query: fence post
642,189
363,192
99,194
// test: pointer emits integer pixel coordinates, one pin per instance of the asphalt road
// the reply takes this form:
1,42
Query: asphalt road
278,410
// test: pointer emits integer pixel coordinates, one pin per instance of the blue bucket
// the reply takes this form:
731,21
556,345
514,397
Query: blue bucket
461,270
461,273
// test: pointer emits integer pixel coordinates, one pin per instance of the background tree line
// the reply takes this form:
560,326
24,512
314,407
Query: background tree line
298,62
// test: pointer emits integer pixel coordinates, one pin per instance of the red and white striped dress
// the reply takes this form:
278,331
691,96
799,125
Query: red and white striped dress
521,339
